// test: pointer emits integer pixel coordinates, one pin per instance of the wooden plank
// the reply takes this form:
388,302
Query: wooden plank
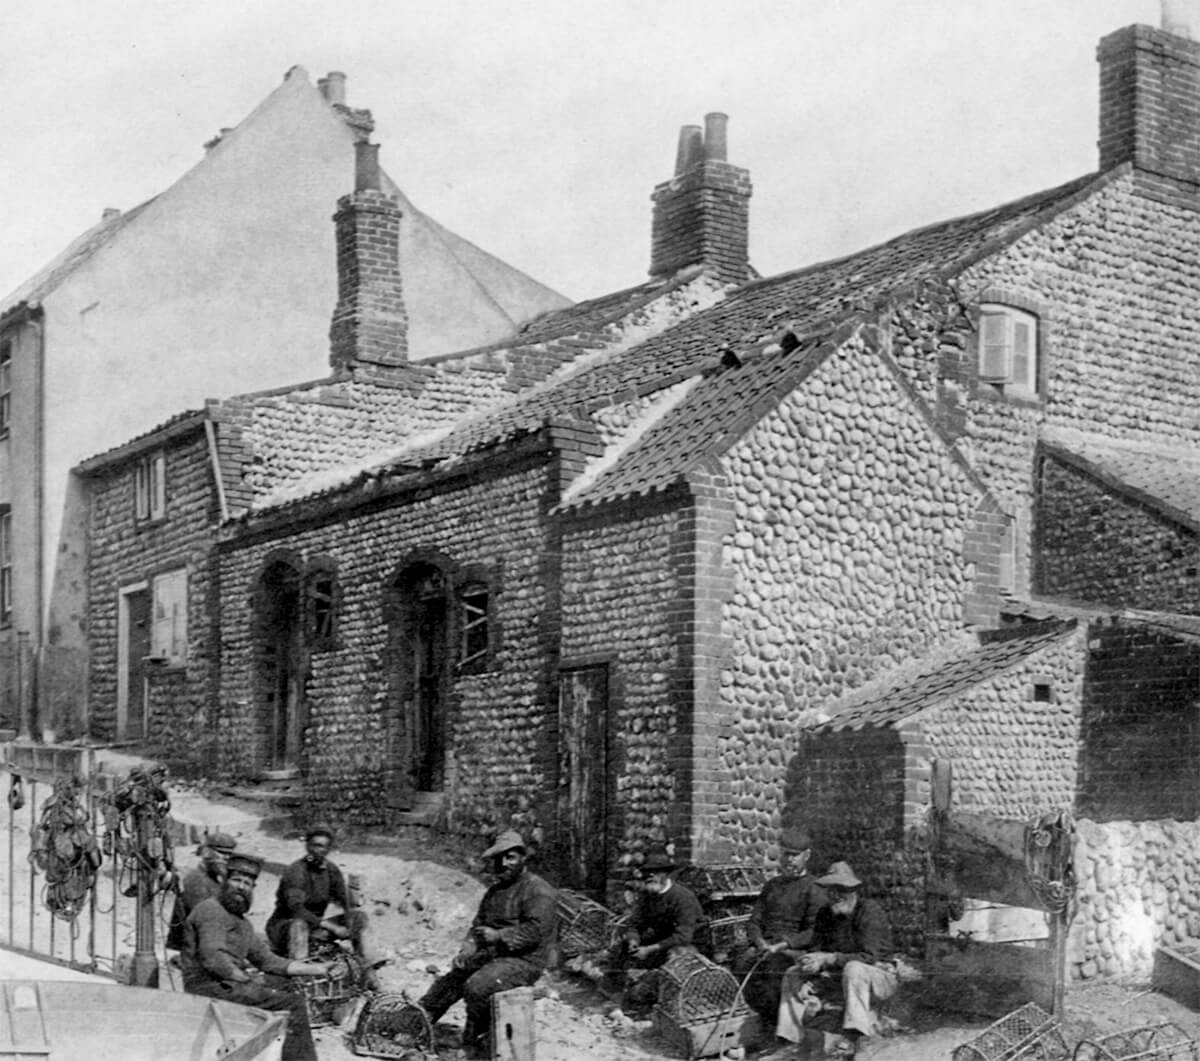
990,979
513,1033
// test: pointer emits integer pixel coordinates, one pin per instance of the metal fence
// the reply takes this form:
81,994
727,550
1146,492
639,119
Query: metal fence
42,916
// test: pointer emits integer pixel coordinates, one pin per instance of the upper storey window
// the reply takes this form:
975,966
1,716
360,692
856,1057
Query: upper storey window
1008,350
150,488
5,385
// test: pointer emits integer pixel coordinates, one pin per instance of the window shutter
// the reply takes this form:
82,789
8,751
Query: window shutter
169,632
141,491
995,348
1023,361
158,486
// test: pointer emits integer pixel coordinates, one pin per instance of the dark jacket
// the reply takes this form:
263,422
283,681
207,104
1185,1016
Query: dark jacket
787,909
305,891
525,911
217,942
864,936
667,920
197,886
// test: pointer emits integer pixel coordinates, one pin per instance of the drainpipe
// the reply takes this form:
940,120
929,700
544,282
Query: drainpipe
39,509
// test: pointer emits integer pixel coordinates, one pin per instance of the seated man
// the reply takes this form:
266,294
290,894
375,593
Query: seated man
223,958
663,922
305,891
508,945
852,939
201,882
780,926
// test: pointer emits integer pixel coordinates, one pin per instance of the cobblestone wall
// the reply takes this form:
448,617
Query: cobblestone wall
124,551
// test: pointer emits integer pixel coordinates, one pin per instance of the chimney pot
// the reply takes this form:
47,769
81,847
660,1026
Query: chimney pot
366,167
333,87
714,136
690,150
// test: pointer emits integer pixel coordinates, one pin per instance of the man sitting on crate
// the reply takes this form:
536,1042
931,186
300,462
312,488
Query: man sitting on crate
224,958
780,927
852,941
663,922
508,945
305,891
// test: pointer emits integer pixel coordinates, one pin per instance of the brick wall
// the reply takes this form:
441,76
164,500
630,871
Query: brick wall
703,216
123,551
1101,546
1141,742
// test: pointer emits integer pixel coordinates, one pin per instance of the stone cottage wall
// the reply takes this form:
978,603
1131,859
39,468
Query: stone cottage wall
1101,546
499,758
123,551
850,518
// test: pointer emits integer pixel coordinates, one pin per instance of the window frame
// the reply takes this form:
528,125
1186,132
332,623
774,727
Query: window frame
471,619
6,360
174,653
1003,350
150,488
316,638
6,567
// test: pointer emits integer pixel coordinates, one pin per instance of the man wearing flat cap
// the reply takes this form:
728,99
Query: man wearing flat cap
663,923
224,958
780,927
852,940
305,891
199,883
508,944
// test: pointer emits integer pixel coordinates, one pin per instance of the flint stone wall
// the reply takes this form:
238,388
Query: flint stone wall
124,551
847,557
498,758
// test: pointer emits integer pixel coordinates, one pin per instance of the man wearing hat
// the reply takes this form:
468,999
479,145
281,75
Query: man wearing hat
781,925
199,883
663,922
508,944
224,958
852,940
305,891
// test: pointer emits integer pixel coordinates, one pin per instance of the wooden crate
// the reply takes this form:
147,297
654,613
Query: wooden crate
1177,974
708,1038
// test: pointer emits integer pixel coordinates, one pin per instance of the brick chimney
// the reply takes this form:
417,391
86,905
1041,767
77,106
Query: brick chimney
1150,100
369,332
702,215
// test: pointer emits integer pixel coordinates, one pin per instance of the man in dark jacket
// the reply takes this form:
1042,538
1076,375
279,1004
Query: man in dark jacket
201,882
305,891
663,923
508,944
224,958
780,927
852,939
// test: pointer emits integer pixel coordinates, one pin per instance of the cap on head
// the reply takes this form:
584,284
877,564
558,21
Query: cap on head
509,840
659,860
840,875
240,862
319,830
794,840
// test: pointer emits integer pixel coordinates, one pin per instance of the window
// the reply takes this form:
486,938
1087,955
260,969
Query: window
168,637
5,568
5,384
475,642
322,607
1008,350
150,488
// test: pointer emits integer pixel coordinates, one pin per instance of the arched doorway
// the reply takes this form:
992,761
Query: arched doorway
419,635
279,685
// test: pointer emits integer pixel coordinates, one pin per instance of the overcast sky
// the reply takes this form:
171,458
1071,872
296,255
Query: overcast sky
537,129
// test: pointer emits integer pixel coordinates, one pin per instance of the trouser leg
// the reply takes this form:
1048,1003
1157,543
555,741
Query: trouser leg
501,975
275,994
763,988
444,992
792,1005
298,939
864,985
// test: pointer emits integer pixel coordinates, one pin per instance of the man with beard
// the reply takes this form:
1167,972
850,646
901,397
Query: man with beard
306,889
199,883
224,958
780,926
508,944
663,923
852,940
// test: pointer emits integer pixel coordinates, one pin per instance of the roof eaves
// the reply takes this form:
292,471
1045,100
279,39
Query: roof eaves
179,425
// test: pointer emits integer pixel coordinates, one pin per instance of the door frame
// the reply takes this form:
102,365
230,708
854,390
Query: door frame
123,595
575,848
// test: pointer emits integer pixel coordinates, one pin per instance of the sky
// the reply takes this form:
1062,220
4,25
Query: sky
538,129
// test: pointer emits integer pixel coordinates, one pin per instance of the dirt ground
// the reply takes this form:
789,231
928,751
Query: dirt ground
422,896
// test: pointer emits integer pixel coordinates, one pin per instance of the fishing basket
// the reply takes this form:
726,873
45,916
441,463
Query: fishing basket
1152,1042
324,995
392,1025
700,1009
1028,1033
584,926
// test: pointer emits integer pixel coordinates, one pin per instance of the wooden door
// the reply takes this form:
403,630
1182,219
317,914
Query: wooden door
583,776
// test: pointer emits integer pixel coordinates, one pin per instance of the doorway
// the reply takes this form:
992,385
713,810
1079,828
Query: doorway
133,648
280,668
583,775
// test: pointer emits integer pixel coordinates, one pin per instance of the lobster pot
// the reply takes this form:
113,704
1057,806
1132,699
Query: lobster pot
700,1009
391,1025
584,926
722,937
1026,1034
1153,1042
324,995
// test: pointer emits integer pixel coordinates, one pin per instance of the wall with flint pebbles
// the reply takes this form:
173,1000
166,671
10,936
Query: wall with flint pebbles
1138,888
497,759
1098,545
847,557
125,551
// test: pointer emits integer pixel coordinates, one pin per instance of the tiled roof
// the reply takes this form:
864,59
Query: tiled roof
946,679
186,421
1166,480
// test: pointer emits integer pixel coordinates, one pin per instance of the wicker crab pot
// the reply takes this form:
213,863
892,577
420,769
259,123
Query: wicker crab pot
700,1009
1152,1042
1026,1034
325,995
392,1025
584,926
